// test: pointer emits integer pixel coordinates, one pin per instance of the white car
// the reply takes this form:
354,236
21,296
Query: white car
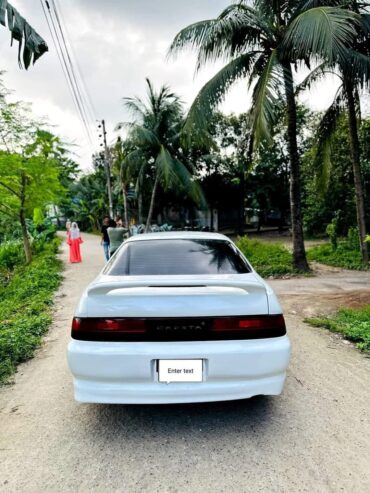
177,317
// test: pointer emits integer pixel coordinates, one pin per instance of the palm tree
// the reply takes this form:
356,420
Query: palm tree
260,43
31,44
154,138
353,70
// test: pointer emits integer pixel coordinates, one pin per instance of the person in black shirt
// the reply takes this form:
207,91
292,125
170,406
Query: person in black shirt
105,237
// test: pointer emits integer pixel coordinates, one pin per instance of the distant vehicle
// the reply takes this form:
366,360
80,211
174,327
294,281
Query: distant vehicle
177,317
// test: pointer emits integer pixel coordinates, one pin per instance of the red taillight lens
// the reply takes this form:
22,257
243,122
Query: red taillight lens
85,327
268,323
174,329
76,323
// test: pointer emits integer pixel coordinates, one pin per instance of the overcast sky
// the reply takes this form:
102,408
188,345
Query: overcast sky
117,44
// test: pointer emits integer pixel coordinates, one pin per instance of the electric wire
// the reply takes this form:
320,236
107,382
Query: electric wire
66,50
59,57
66,71
89,100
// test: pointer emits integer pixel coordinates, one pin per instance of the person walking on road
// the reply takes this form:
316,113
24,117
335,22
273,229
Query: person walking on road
74,241
105,238
117,234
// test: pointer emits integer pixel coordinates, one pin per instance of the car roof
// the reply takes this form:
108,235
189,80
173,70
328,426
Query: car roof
178,235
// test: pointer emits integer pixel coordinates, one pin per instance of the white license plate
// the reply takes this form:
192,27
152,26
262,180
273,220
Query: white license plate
180,370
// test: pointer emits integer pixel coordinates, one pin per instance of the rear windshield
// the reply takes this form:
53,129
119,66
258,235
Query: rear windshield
177,257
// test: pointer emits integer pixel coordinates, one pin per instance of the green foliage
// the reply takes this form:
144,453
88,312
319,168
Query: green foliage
11,254
154,150
256,40
353,239
353,324
320,208
38,216
343,256
332,232
25,304
269,259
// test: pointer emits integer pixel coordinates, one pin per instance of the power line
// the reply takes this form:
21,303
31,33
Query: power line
71,75
66,49
66,70
90,103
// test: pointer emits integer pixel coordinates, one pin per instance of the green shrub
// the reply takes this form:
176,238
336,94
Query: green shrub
25,308
353,239
343,256
11,254
269,259
332,232
353,324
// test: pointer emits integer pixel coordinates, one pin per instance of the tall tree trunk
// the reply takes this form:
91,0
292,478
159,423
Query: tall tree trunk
151,207
140,207
299,254
22,220
241,211
125,207
355,157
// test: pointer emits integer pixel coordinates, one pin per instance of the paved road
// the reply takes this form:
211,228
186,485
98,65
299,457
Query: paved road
315,437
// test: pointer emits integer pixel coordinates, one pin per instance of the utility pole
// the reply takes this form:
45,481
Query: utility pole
107,165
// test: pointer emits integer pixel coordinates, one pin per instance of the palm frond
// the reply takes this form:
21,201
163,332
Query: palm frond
265,100
133,162
316,75
136,107
212,94
31,44
165,168
189,185
238,29
191,36
304,5
357,68
323,141
322,32
144,137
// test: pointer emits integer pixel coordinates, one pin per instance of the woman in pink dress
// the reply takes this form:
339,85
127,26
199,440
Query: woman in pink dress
74,241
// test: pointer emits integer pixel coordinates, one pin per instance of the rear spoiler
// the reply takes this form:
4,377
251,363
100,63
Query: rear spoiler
107,288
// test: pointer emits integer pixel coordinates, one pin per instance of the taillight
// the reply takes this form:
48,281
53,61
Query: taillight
96,328
176,329
271,325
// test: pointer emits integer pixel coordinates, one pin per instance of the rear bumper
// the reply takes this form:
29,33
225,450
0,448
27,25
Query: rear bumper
125,372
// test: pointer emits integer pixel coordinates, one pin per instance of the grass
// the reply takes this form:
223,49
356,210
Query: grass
269,259
343,256
25,307
353,324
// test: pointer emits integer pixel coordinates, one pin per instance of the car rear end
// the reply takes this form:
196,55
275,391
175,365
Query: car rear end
171,338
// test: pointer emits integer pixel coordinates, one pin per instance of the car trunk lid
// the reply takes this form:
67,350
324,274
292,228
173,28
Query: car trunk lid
177,296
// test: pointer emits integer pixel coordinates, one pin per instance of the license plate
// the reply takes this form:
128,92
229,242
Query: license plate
180,370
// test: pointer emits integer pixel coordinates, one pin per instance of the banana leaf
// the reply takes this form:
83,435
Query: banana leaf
3,4
31,46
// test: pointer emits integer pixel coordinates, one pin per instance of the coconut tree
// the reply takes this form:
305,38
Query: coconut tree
154,138
353,71
31,44
259,42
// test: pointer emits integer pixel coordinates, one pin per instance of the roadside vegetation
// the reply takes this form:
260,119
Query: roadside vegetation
340,252
26,294
268,259
353,324
35,175
343,257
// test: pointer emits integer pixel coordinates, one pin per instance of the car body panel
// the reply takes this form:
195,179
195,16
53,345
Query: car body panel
179,296
125,372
